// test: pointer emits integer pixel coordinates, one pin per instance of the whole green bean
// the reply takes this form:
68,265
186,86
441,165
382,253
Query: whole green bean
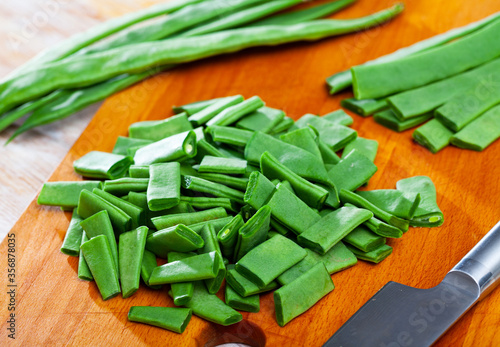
343,80
93,68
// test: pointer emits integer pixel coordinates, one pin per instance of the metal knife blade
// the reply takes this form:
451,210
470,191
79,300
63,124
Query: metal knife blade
399,315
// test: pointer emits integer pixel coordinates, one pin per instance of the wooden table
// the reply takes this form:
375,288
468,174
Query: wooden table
55,308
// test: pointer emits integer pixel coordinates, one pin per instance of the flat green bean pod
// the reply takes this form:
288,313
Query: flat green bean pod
64,194
243,286
170,318
178,238
130,253
164,187
282,126
97,164
354,170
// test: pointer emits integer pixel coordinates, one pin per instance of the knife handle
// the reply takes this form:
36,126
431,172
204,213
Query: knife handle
482,263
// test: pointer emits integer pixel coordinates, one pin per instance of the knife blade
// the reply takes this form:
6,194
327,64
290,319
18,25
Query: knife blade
399,315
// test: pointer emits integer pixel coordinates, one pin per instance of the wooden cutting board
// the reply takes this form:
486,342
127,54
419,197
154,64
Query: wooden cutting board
53,307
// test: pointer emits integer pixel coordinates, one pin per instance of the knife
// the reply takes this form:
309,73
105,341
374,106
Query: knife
399,315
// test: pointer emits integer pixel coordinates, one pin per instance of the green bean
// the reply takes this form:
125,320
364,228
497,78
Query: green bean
332,228
131,250
352,171
364,146
343,80
194,107
480,133
137,214
388,119
242,17
253,232
243,286
282,126
364,239
239,183
383,229
228,236
211,164
234,113
64,194
156,130
300,295
249,304
187,219
209,112
418,101
327,154
217,223
313,195
181,292
211,308
173,148
209,236
338,117
100,261
178,238
204,203
123,186
195,268
365,107
219,190
267,261
122,144
83,268
355,199
304,138
230,135
392,201
73,236
81,71
428,213
433,135
206,148
380,80
97,164
170,318
164,188
147,266
375,256
89,204
138,171
296,159
304,15
264,119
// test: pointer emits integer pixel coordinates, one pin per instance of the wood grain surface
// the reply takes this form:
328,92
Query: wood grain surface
53,307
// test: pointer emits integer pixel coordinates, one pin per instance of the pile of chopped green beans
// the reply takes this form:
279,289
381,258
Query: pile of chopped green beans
111,57
230,190
446,82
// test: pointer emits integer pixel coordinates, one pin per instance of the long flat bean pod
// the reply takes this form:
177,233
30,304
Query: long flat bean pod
93,68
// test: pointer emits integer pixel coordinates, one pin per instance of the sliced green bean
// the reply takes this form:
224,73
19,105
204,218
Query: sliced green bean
100,260
64,194
222,165
300,295
217,224
178,238
239,183
195,107
392,201
352,171
375,256
210,111
131,250
73,236
364,146
137,214
137,171
156,130
388,119
364,239
365,107
339,117
209,236
480,133
204,203
181,292
229,135
206,148
236,301
211,308
259,190
282,126
333,227
234,113
264,119
327,154
122,144
355,199
243,286
383,229
263,264
84,272
228,236
203,186
253,232
164,188
147,266
433,135
195,268
303,138
428,213
170,318
173,148
97,164
123,186
170,220
311,194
